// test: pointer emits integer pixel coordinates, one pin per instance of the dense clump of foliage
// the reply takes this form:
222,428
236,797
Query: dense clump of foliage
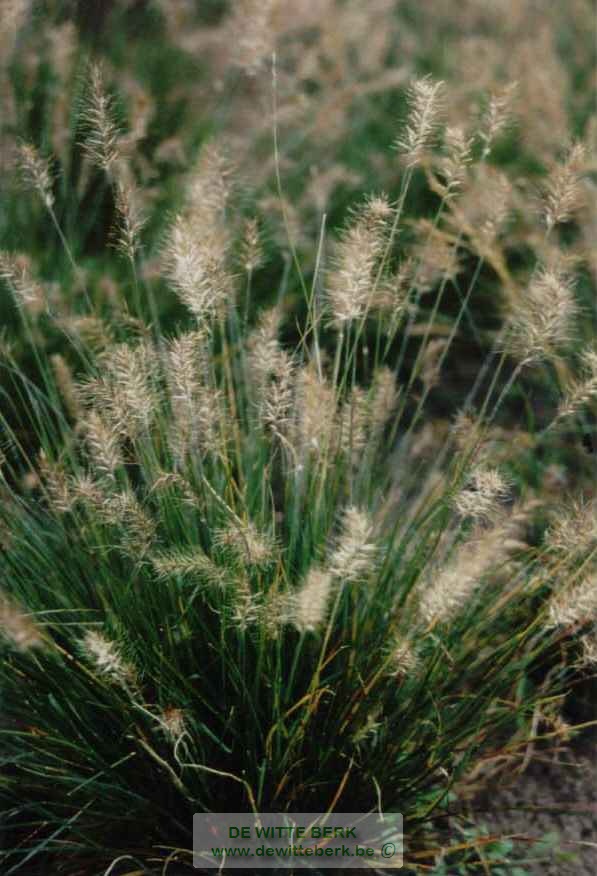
263,547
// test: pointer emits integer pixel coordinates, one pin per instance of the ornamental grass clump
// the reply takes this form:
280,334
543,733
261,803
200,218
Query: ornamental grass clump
240,569
232,585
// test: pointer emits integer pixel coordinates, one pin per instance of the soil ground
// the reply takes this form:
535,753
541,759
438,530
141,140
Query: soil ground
561,795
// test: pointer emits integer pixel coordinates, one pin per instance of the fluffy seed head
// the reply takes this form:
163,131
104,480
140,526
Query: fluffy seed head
436,258
316,412
580,392
355,553
130,221
575,528
404,660
453,164
16,627
15,270
390,295
91,330
252,33
252,547
123,392
384,401
88,491
276,403
465,430
195,263
104,449
56,483
563,191
65,383
187,366
575,605
451,587
589,649
483,207
481,498
246,607
106,657
543,320
195,403
353,422
272,371
209,185
137,527
101,142
351,281
431,362
251,251
188,562
310,602
497,117
132,402
263,347
173,723
196,252
425,106
36,172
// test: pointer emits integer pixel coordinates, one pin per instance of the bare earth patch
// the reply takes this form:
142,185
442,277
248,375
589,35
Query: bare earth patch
560,796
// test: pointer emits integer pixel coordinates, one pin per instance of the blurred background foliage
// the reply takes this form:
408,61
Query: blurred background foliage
184,74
